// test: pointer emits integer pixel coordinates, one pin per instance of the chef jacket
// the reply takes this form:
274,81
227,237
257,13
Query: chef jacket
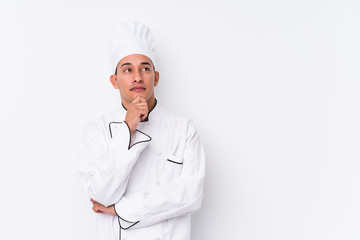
154,176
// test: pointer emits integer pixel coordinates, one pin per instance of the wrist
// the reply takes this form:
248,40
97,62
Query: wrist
131,130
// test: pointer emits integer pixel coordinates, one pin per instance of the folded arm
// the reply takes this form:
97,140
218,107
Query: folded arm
170,198
104,166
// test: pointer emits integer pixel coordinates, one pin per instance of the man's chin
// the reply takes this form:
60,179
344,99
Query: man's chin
133,97
139,95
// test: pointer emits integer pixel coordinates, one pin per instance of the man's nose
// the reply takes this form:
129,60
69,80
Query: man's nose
138,77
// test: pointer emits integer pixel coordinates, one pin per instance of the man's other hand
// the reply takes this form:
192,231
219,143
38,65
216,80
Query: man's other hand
99,208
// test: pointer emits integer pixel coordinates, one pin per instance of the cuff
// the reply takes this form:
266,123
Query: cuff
120,135
126,211
123,139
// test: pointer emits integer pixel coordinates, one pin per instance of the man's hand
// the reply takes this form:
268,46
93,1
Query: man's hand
98,208
136,112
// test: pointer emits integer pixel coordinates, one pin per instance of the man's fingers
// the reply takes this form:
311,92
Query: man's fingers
97,211
143,116
136,100
136,112
140,104
142,109
97,207
139,99
94,208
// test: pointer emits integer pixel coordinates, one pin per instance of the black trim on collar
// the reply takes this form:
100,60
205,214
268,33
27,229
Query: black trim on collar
123,106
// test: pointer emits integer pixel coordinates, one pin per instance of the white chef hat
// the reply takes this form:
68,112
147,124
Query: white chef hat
130,38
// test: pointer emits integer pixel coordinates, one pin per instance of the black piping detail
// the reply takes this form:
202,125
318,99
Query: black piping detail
140,141
175,162
110,127
152,109
134,223
130,134
123,106
128,129
119,228
118,222
129,226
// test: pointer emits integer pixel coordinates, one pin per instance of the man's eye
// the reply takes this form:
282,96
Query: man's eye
127,70
146,69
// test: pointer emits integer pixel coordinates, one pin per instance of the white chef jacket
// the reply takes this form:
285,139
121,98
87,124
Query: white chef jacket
154,177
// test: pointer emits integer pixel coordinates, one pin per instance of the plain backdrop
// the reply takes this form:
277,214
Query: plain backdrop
272,86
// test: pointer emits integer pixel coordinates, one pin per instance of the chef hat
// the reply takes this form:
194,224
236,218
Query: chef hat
130,38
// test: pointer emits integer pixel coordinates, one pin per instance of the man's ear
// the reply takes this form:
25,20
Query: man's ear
113,81
157,76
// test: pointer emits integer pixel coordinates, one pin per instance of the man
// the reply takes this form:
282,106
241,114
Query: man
142,166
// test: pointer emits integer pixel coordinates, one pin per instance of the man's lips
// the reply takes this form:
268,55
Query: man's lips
137,88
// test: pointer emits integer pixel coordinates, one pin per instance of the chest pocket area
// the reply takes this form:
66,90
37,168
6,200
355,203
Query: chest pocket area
172,167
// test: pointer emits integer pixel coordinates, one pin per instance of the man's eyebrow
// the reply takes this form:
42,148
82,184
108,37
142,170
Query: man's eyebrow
124,64
143,63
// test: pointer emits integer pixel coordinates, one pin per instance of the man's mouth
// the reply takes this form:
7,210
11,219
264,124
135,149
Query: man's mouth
137,89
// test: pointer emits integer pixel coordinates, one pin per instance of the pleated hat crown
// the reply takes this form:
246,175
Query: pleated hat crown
130,38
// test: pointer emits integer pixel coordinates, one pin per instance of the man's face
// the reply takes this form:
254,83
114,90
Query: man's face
135,77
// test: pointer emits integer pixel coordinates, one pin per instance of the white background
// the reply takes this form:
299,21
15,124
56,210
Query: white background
273,87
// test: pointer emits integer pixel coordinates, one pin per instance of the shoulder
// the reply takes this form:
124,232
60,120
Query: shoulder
178,121
171,116
101,122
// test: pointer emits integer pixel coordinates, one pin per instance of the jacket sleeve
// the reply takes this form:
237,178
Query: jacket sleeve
105,164
168,199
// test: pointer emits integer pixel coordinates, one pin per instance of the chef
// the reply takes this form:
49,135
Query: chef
142,166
